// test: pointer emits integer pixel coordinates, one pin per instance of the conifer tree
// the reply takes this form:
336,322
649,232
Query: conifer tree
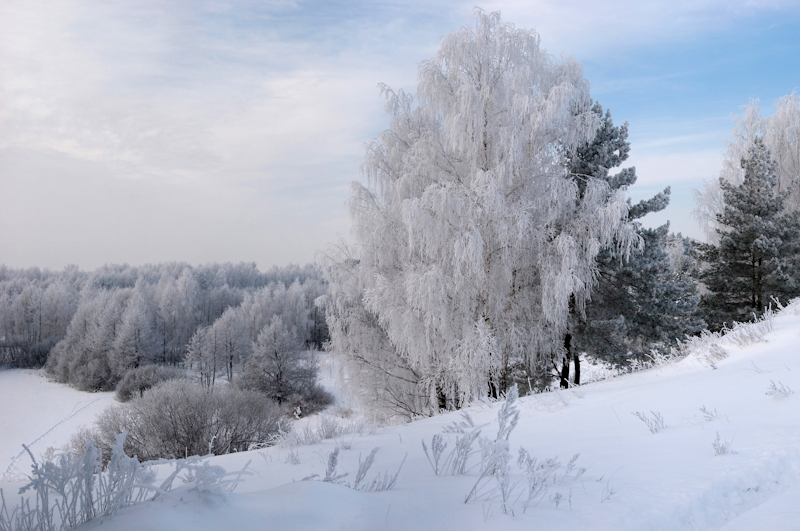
758,254
640,301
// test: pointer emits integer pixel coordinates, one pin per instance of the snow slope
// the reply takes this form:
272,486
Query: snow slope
634,480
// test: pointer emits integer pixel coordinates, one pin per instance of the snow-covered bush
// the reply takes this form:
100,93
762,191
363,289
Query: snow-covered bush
70,490
177,418
496,478
136,381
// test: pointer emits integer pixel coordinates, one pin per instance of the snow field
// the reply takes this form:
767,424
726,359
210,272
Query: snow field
40,414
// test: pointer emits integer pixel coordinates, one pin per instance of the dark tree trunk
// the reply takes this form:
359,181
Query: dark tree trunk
577,359
441,399
565,363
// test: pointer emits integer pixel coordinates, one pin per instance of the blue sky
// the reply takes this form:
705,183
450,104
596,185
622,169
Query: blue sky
217,130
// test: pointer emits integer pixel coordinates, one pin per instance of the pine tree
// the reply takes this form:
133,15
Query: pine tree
758,254
780,133
640,302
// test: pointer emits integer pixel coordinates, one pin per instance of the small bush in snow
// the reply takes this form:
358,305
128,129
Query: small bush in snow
709,415
778,390
744,334
178,418
655,422
721,447
456,460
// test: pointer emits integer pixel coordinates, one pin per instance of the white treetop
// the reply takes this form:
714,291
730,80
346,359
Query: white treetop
472,237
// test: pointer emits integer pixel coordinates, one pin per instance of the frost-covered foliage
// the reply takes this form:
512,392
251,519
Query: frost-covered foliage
126,317
781,135
655,422
757,257
779,390
327,427
178,418
643,302
136,381
35,309
282,370
710,347
369,367
456,461
381,482
722,447
496,477
72,488
471,241
641,305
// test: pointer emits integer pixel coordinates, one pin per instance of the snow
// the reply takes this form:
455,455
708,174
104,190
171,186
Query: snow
635,479
39,414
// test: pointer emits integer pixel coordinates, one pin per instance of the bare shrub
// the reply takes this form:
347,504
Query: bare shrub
496,479
177,418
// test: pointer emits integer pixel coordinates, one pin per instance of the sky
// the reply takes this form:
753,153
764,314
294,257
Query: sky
214,130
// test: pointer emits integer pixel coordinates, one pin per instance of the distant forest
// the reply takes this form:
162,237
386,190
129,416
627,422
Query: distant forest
90,328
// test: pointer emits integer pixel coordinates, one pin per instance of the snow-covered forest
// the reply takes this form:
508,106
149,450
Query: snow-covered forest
499,279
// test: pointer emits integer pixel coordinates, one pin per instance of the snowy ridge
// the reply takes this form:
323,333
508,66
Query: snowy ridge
710,347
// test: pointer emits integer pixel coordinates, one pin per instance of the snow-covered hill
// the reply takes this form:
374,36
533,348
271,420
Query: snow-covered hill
634,479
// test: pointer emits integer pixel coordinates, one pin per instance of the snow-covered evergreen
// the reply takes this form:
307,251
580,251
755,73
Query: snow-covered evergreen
757,258
640,302
780,133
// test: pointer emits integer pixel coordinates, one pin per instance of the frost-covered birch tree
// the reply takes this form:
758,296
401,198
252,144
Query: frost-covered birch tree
471,238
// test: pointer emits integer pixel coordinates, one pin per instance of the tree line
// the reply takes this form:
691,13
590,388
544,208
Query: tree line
90,328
